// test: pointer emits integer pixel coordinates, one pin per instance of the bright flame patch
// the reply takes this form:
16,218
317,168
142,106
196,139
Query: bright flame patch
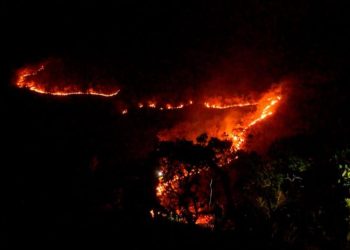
28,78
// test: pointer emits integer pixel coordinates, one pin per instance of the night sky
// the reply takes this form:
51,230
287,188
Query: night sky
159,46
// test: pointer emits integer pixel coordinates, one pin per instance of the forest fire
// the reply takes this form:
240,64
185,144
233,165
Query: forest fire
228,106
209,105
167,106
173,181
29,77
231,122
33,78
266,107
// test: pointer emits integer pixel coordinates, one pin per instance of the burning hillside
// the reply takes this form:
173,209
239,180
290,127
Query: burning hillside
229,119
175,175
52,78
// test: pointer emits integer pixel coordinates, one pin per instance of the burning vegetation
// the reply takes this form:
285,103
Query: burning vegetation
206,172
234,122
52,78
203,161
192,173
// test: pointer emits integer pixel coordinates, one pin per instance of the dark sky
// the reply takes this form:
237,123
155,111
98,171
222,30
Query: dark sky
154,45
187,48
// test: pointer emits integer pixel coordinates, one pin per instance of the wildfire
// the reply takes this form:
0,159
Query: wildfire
167,106
260,110
165,185
265,107
205,220
228,106
233,126
152,105
26,78
174,181
209,105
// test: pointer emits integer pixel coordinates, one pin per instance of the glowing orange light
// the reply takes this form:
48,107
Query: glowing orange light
228,106
152,105
261,110
25,80
152,213
204,219
265,108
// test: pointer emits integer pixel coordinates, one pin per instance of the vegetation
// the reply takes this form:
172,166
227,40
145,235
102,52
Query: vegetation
289,197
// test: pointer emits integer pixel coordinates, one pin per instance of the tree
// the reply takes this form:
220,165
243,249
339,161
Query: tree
342,161
270,190
188,177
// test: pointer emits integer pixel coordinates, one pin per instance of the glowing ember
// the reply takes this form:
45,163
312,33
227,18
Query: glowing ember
205,220
151,213
266,107
26,78
167,106
228,106
152,105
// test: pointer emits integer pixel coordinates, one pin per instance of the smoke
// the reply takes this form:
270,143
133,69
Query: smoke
244,77
232,122
199,120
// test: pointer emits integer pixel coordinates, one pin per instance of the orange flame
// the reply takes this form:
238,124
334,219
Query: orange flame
266,107
26,79
228,106
168,106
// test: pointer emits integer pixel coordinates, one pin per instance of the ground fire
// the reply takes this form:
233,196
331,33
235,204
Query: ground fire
32,78
170,181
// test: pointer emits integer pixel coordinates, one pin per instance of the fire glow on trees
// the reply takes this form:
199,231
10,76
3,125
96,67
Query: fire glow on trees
234,125
170,181
266,107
